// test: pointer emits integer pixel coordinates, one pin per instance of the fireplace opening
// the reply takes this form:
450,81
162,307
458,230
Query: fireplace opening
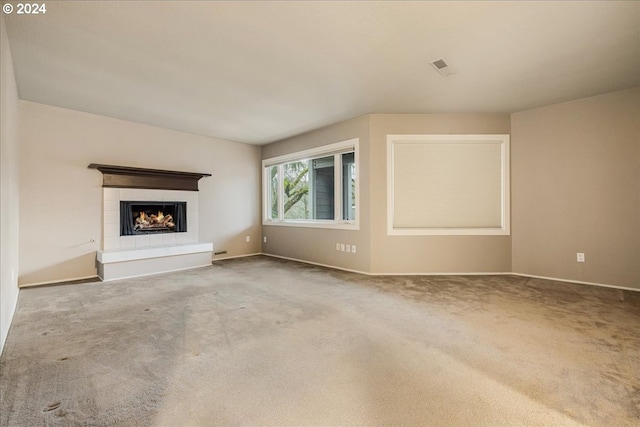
152,217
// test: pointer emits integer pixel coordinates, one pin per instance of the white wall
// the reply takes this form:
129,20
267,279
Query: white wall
61,199
9,127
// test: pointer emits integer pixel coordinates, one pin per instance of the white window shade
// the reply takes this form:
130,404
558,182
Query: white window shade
448,184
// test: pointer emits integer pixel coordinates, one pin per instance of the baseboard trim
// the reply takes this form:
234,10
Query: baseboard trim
603,285
316,263
455,274
78,280
383,274
497,273
71,281
235,256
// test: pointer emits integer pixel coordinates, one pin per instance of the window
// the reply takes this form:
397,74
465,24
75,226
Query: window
313,188
448,184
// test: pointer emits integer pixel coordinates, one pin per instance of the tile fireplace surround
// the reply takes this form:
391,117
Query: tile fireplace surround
130,256
114,241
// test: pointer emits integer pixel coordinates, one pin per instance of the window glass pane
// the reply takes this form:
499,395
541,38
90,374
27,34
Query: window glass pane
314,188
323,188
296,190
348,187
273,192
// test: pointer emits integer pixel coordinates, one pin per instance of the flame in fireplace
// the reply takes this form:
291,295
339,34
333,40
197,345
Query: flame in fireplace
153,221
159,217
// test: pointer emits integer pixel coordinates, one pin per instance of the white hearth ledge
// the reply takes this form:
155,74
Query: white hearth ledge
107,257
122,264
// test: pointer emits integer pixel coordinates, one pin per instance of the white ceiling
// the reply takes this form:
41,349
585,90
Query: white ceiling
257,72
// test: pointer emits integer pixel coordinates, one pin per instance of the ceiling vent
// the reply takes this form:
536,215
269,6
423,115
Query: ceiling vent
442,67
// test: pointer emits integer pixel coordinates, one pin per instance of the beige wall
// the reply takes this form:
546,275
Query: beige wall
9,163
429,254
575,176
61,199
377,252
318,244
576,188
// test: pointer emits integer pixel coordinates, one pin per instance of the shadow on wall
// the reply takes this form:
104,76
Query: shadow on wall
85,264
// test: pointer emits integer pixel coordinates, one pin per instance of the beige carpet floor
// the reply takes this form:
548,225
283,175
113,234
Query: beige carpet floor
262,341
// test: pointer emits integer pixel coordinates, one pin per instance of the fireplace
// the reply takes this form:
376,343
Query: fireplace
142,217
144,236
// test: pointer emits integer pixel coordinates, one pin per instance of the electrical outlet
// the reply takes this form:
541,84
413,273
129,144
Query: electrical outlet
353,249
247,239
580,257
348,248
337,246
342,247
264,239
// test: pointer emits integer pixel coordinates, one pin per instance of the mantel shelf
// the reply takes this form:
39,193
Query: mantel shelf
159,179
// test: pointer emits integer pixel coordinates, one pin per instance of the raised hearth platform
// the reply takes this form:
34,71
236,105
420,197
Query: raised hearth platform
122,264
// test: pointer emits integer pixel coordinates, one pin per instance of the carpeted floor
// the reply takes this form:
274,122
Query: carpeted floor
262,341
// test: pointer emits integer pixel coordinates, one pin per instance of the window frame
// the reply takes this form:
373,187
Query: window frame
503,230
335,149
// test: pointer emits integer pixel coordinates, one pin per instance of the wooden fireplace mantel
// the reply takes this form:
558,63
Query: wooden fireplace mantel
156,179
